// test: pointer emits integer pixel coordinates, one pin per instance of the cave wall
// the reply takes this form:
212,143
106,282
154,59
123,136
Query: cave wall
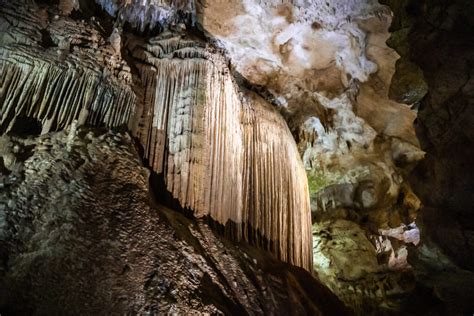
439,40
81,234
206,137
326,67
217,97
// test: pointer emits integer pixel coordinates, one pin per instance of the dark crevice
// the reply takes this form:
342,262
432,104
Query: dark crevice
26,126
46,40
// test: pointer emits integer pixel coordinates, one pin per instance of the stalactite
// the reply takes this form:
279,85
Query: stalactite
149,13
221,154
56,96
81,78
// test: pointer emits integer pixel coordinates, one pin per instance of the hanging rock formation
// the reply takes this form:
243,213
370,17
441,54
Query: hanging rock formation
222,153
147,14
57,70
326,64
216,93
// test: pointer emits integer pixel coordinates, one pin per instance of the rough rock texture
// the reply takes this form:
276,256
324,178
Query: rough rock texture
80,235
150,13
327,65
222,150
54,70
222,153
191,121
437,37
445,119
348,262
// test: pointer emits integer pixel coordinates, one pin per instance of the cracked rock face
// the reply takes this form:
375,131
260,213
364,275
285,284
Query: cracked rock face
80,232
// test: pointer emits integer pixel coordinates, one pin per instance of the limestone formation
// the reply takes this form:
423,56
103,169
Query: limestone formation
329,68
221,153
59,70
145,14
229,103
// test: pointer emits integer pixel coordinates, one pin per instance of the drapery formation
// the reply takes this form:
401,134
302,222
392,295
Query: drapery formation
56,95
223,154
59,70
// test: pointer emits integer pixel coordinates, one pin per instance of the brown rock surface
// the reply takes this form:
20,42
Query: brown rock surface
82,236
47,61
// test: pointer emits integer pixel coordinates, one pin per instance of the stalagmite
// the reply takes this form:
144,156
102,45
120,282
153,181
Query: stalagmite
222,154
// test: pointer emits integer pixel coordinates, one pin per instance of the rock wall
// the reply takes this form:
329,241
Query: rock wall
224,152
444,123
435,37
80,234
327,67
221,154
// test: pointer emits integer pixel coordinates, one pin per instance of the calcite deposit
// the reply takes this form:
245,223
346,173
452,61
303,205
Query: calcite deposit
223,152
334,136
328,68
47,61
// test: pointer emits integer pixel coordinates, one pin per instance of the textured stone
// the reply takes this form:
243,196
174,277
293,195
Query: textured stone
222,151
84,237
54,71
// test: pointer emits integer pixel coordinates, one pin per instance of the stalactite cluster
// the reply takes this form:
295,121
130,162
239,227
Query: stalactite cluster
149,13
56,96
223,154
57,71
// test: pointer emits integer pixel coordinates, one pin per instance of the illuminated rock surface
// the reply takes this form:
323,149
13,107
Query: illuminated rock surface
230,101
224,154
83,236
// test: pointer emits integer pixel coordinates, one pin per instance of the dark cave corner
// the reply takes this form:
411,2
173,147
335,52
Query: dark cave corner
429,34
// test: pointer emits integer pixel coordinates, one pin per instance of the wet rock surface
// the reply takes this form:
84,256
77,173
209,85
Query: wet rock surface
80,234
